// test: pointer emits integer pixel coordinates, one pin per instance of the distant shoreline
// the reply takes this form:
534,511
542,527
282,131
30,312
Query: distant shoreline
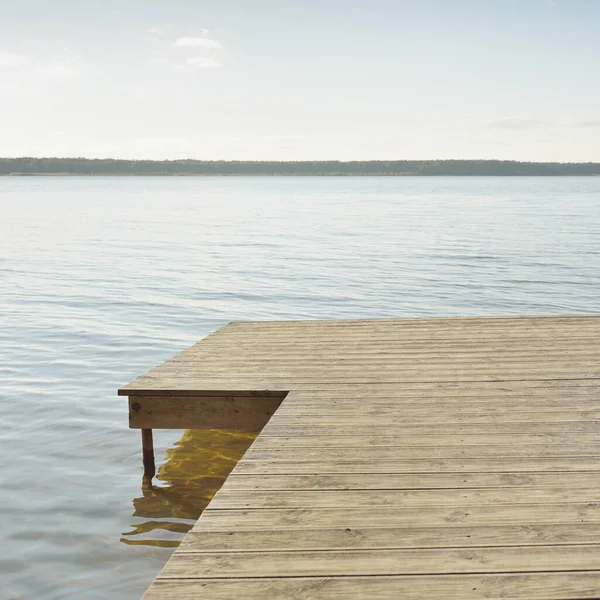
71,167
215,175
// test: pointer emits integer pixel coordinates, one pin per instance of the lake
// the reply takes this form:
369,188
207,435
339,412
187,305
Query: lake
103,278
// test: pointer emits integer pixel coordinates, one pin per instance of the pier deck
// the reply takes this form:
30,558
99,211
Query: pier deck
400,458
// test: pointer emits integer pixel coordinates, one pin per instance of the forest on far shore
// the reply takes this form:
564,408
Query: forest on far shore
108,166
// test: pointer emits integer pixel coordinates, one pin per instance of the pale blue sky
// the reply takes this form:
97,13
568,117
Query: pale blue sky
301,79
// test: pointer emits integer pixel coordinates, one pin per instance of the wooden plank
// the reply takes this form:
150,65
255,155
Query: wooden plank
400,417
190,382
457,439
408,481
393,340
572,397
348,356
386,516
372,331
476,391
584,397
536,586
537,361
363,353
202,412
246,337
148,385
356,350
299,374
423,406
281,428
404,327
258,345
525,386
391,537
328,465
435,417
244,340
394,453
308,378
422,561
228,498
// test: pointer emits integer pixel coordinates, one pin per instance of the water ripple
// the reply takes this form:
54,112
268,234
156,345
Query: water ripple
104,278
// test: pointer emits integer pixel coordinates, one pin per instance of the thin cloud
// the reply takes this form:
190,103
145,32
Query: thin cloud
59,71
156,31
525,124
587,123
197,42
10,59
518,124
58,68
202,62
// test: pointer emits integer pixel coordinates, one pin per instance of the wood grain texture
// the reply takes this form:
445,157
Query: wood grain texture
414,561
456,450
344,538
201,412
391,516
575,585
452,439
400,499
409,481
401,458
327,465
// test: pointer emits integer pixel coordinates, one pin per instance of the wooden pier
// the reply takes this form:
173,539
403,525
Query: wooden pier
397,458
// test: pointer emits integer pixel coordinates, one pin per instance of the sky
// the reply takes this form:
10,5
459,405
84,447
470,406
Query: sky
301,79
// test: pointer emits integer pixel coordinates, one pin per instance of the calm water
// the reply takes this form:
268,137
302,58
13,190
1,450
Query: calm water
103,278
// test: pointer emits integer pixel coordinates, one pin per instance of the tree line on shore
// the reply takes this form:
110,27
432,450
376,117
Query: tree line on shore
85,166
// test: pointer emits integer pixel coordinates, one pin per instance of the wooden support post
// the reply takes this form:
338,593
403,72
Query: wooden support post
148,457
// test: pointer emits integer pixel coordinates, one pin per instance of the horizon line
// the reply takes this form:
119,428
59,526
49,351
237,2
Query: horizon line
305,160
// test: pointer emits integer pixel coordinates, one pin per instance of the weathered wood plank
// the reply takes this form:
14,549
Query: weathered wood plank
202,412
567,390
423,561
457,439
189,382
149,385
247,334
281,428
537,366
408,481
400,417
380,453
313,358
418,406
391,537
228,498
327,465
346,334
389,516
400,327
542,586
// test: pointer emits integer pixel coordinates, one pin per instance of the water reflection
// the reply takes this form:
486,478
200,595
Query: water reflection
194,470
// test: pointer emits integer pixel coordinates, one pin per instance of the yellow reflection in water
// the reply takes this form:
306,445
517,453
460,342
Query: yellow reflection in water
195,469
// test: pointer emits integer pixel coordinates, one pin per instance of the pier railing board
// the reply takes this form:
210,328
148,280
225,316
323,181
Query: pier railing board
248,413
